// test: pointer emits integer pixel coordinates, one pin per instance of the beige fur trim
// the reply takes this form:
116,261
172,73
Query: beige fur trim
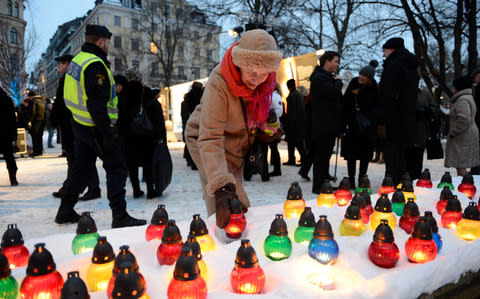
218,182
266,59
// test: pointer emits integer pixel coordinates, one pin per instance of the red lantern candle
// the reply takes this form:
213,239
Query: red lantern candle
383,251
129,284
157,224
237,223
467,186
247,276
124,258
387,185
420,247
359,200
171,246
410,216
42,280
13,248
295,204
187,281
452,214
445,195
425,180
343,193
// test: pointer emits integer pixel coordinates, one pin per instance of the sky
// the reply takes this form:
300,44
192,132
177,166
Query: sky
44,17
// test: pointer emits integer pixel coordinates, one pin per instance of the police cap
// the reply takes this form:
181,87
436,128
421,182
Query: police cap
64,58
98,30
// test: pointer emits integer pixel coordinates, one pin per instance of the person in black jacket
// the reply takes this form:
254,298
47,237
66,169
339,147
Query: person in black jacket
325,99
191,100
476,98
398,89
296,123
359,102
62,118
8,135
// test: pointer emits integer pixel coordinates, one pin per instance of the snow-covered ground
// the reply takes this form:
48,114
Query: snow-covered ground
31,206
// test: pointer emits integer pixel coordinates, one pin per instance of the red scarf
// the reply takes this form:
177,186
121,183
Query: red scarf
258,101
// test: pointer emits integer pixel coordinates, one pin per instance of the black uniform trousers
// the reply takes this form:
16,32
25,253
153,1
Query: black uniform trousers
274,156
37,136
9,159
322,151
292,145
86,153
395,156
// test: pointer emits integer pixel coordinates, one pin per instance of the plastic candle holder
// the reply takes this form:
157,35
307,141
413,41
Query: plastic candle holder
277,245
383,251
364,185
446,180
13,248
123,259
433,224
420,247
352,225
323,248
197,253
425,180
157,224
467,186
452,214
408,192
8,284
410,216
171,246
237,223
468,228
398,202
42,280
200,230
87,235
129,284
295,204
359,200
326,198
383,210
100,270
187,281
387,185
247,277
304,232
74,287
343,193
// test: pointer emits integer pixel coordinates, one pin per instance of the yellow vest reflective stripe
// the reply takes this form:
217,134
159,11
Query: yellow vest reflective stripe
74,91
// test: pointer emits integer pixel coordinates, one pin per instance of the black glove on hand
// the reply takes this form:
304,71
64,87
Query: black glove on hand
223,196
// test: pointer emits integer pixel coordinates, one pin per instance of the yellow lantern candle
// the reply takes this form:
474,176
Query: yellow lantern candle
468,228
326,198
295,204
383,210
352,225
407,189
200,230
100,270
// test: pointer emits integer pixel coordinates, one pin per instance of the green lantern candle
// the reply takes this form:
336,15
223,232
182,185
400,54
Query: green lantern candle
306,225
446,180
87,235
398,202
364,185
278,245
8,284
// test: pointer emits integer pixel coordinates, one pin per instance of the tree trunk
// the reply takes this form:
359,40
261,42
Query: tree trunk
457,34
471,9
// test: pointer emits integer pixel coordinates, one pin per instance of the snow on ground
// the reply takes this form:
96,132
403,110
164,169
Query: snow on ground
32,207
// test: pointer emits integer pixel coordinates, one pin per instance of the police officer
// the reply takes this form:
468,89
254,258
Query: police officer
90,95
62,118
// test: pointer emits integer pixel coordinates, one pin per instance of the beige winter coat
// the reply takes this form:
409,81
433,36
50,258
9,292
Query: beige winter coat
216,137
463,150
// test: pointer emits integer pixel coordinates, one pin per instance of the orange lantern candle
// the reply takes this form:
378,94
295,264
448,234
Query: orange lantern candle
343,193
157,224
420,247
13,248
247,276
295,204
237,223
124,258
129,284
452,214
467,186
445,195
187,281
171,246
468,228
410,216
326,198
359,200
425,180
383,251
387,185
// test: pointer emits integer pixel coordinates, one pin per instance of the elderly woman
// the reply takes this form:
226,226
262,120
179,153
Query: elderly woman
235,102
463,148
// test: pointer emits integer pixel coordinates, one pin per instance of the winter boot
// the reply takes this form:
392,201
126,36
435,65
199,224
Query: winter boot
13,177
66,213
124,220
91,194
151,191
58,194
352,182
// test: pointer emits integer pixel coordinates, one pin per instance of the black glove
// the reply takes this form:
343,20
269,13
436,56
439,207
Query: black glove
223,196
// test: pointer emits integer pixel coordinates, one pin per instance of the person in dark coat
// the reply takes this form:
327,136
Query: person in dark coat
38,124
296,123
476,97
61,117
361,97
24,112
325,98
191,100
8,135
398,89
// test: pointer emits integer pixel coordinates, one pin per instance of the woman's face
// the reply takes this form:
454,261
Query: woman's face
362,79
253,76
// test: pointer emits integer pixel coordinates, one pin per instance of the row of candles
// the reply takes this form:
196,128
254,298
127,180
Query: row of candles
120,275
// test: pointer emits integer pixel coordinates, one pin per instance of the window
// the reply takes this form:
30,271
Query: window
135,44
154,6
136,64
117,21
179,13
9,7
118,64
196,53
166,10
13,36
16,11
153,48
14,62
195,73
180,51
196,35
209,55
155,69
134,24
117,42
180,70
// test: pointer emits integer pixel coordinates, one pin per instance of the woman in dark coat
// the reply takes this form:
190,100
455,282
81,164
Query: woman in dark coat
191,100
8,134
360,98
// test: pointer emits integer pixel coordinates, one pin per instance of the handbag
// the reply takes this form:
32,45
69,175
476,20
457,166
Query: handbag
141,124
434,148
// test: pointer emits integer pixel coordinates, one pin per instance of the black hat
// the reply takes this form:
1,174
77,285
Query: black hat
64,58
394,43
98,30
462,83
369,70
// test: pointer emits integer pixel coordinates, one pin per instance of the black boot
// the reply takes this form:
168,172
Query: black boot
91,194
151,191
58,194
124,220
352,182
13,177
66,213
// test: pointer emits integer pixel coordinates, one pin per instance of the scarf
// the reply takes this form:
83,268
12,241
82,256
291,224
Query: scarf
258,101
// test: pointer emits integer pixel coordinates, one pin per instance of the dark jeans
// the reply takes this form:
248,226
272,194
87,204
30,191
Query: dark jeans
274,156
352,165
414,157
292,145
86,153
322,151
37,136
395,161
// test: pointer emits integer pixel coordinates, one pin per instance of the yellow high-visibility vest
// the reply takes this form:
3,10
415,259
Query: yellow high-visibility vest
74,90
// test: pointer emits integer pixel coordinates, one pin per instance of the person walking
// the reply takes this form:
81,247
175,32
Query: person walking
236,101
398,90
358,113
325,98
8,135
296,123
48,123
90,95
190,101
38,124
277,107
61,117
462,150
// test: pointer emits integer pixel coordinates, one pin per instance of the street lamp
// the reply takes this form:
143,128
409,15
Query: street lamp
235,31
